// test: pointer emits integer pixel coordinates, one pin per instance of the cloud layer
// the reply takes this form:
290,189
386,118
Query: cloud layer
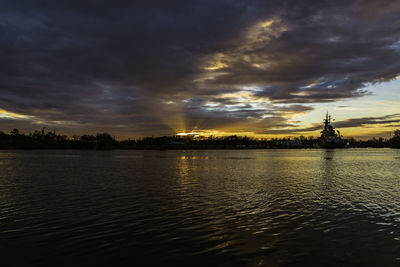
157,67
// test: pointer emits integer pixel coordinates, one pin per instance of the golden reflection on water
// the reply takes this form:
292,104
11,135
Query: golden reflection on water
189,170
187,183
254,207
193,157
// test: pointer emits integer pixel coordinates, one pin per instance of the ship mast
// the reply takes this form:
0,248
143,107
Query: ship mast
327,119
329,137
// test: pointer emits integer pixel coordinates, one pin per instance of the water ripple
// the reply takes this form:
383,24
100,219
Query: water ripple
221,208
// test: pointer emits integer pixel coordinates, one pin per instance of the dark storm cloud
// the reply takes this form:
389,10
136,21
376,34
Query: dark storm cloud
132,65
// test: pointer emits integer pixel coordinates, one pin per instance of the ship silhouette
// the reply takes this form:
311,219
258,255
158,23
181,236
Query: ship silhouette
329,137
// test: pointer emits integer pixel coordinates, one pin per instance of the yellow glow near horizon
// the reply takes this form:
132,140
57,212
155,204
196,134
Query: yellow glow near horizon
11,115
187,134
356,132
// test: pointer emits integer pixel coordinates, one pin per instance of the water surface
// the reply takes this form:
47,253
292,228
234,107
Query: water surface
212,207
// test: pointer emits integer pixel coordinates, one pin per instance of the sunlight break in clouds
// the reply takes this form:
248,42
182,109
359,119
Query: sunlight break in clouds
134,70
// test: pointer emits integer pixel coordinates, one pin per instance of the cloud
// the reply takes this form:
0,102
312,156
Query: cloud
367,121
391,120
156,67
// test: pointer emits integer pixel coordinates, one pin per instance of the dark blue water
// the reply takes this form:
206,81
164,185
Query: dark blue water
198,208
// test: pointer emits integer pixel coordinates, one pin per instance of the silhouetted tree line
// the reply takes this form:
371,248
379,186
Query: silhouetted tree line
50,140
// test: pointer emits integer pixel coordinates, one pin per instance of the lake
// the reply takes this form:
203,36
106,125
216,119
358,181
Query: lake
200,207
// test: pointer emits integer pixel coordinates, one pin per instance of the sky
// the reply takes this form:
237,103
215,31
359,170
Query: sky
216,67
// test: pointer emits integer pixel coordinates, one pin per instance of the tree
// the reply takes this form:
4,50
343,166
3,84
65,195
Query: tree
105,141
15,132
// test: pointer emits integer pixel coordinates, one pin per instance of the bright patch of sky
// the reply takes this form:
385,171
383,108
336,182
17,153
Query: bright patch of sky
384,99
